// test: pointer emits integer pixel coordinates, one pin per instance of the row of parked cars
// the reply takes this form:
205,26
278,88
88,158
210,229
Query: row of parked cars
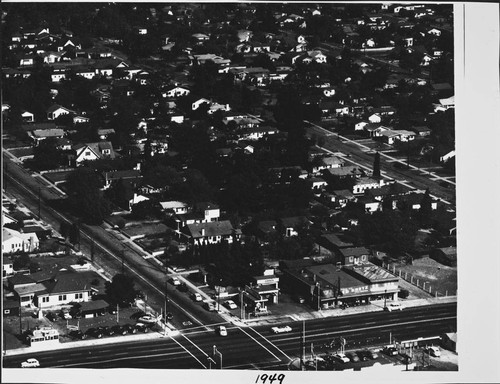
99,332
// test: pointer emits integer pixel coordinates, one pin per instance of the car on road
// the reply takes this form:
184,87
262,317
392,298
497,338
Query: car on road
393,307
353,356
230,304
340,358
30,363
284,329
390,350
221,330
433,351
175,281
182,287
196,296
209,307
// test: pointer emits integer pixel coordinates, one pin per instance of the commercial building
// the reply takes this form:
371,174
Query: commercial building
325,285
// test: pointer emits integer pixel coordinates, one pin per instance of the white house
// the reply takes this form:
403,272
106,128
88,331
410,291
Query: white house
93,151
364,183
176,92
56,110
136,200
63,289
178,207
375,118
28,116
15,241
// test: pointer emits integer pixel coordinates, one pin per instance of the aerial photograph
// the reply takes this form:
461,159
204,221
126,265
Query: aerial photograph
229,186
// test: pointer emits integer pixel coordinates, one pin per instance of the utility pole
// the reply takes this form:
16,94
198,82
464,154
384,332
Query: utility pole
303,344
39,203
385,299
117,314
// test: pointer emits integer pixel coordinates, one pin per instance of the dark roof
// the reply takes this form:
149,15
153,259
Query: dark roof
69,282
354,251
214,228
20,280
90,306
330,240
292,222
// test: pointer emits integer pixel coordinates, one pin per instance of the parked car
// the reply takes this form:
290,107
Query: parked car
352,356
367,354
175,281
30,363
230,304
95,332
130,328
341,358
196,296
182,287
141,327
284,329
393,307
221,330
148,319
119,330
433,351
78,335
65,314
390,350
108,331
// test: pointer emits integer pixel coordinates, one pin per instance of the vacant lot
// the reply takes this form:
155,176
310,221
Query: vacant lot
440,277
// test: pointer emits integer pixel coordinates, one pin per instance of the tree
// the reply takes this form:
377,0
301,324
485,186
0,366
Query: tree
425,211
46,155
85,196
376,166
121,290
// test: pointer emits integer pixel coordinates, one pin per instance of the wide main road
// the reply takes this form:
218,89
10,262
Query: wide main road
255,347
110,254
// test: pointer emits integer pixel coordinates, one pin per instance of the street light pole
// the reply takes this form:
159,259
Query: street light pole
218,296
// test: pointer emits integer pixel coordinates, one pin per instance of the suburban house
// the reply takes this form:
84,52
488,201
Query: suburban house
291,225
363,184
65,288
7,266
352,255
15,241
136,199
327,162
27,116
129,175
56,110
176,91
93,151
177,207
41,338
41,134
210,233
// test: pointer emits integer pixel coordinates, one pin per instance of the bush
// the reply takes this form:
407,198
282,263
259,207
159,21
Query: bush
403,293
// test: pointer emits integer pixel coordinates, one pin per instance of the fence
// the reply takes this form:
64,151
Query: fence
416,281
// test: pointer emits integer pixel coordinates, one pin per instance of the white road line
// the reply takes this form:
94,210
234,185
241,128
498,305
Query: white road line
265,338
199,349
193,356
254,339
